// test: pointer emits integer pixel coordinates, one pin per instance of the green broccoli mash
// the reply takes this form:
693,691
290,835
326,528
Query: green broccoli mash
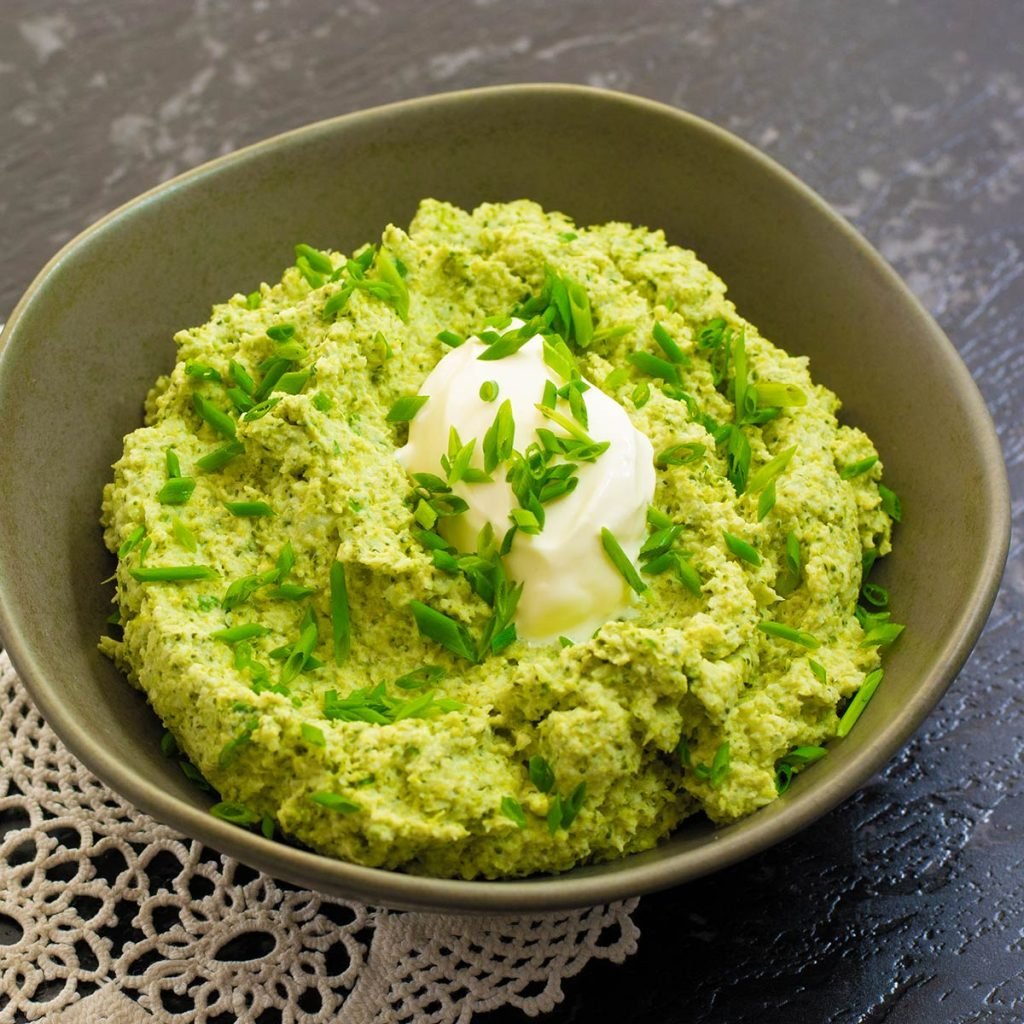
271,548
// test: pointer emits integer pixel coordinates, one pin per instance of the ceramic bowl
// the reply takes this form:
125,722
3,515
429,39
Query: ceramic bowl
94,330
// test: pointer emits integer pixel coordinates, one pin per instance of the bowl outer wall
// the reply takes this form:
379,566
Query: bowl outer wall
93,331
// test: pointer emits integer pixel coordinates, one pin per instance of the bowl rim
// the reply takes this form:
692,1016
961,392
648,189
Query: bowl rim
538,893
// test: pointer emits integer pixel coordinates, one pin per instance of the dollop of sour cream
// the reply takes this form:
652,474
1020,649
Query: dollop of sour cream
570,585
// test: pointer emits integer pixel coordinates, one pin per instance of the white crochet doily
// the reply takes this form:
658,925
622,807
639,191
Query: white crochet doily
106,915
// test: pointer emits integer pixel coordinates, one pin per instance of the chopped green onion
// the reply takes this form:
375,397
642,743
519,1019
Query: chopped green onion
857,468
280,332
313,735
654,366
240,400
572,805
489,390
720,766
291,592
173,465
564,641
578,407
875,594
238,373
441,629
818,671
542,775
741,549
231,750
341,626
451,339
769,471
220,457
506,345
568,425
770,393
794,636
335,802
420,677
793,762
248,509
680,454
668,345
616,378
235,813
221,422
293,383
202,371
621,562
319,261
555,815
641,394
389,273
246,631
131,540
882,634
766,502
322,402
891,504
657,518
257,412
513,810
406,408
174,573
176,491
253,300
859,702
302,649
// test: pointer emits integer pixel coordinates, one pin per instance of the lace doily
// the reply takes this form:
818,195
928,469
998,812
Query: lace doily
106,915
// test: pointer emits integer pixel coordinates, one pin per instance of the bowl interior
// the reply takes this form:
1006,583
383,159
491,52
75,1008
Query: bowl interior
95,330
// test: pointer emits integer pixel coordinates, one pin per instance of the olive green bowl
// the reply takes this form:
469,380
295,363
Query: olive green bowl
94,331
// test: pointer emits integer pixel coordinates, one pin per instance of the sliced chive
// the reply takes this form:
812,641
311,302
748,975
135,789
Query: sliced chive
388,272
859,702
443,630
313,735
202,372
794,559
572,805
578,407
174,573
793,763
280,332
248,509
783,395
641,394
406,408
239,399
667,345
234,812
319,261
168,744
292,383
658,519
131,540
550,397
341,626
232,750
526,520
302,650
335,802
891,504
857,468
489,390
245,631
565,641
506,345
451,339
720,766
794,636
875,594
176,491
173,465
513,810
737,455
818,671
770,471
542,775
291,592
273,370
322,402
616,378
221,422
253,300
570,426
312,278
554,818
766,501
882,634
559,357
426,675
621,562
680,454
238,373
220,457
580,313
688,575
741,549
290,351
425,514
257,412
654,366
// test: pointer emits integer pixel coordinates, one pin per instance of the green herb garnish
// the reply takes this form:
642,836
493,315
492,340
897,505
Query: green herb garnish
680,454
406,408
443,630
220,457
245,631
620,560
857,468
794,636
741,549
174,573
221,422
793,762
541,773
176,491
668,346
859,702
891,504
341,626
513,810
335,802
489,390
313,735
235,813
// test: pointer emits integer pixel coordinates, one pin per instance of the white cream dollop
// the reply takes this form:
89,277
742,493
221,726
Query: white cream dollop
570,586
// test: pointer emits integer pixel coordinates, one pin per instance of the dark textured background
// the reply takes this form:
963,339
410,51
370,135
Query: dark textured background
907,903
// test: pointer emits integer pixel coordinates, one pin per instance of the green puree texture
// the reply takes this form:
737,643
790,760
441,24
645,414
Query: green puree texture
637,713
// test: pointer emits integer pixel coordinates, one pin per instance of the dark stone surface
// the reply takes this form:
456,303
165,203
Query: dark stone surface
907,903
